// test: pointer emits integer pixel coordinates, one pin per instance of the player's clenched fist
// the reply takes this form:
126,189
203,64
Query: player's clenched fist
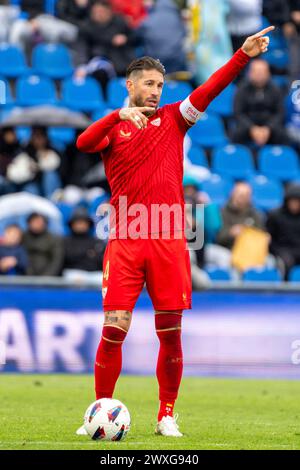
136,116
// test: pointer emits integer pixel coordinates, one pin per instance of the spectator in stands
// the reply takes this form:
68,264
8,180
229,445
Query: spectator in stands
45,250
8,14
76,164
162,35
35,170
9,148
83,251
133,11
73,11
39,27
245,19
216,49
258,108
13,257
295,40
105,44
283,224
237,213
285,15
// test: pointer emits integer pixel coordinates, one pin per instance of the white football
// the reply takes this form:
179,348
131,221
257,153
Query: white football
107,419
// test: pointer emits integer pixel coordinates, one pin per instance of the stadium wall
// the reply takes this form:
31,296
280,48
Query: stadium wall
236,333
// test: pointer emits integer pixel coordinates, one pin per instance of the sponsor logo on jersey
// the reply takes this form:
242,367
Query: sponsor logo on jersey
156,122
124,134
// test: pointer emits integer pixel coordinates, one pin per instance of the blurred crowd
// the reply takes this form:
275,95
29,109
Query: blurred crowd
192,38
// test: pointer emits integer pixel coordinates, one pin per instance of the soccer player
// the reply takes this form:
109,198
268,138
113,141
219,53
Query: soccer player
142,150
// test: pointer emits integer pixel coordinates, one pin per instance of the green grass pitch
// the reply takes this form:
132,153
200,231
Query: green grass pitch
43,412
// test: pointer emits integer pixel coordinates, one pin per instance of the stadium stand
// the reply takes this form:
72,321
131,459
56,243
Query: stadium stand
209,131
233,161
262,275
12,61
46,76
52,60
279,162
82,94
34,90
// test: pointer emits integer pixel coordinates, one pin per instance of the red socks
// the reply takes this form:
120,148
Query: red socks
170,360
108,363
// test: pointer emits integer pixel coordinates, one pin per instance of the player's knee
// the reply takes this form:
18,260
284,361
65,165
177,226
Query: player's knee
113,334
167,324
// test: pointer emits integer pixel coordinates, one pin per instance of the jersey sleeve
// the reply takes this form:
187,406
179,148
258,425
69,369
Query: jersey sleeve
98,136
191,109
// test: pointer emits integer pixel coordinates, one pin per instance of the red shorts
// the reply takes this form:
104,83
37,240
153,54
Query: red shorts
164,265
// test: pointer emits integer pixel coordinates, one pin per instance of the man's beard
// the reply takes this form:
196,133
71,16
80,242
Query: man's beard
139,102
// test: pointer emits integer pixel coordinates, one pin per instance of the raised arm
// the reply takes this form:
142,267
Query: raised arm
192,107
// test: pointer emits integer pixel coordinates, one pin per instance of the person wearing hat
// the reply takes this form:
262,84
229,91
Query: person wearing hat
83,251
283,224
45,250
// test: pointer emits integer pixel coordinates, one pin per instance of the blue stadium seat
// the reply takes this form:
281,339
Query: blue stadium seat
100,113
117,92
279,162
175,91
50,6
60,137
267,194
233,161
218,189
218,274
6,99
294,274
82,94
209,131
197,156
12,61
23,134
282,81
223,104
262,275
34,90
52,60
277,58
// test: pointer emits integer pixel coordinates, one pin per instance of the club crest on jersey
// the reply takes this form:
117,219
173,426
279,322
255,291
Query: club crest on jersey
125,134
156,122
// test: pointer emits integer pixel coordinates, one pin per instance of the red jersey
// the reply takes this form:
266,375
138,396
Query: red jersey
146,166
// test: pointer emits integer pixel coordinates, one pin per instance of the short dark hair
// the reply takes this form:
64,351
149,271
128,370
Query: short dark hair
102,3
145,63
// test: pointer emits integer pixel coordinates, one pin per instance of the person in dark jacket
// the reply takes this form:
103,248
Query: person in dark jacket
45,250
13,257
83,251
258,109
106,44
283,224
73,11
9,148
238,213
40,27
76,164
